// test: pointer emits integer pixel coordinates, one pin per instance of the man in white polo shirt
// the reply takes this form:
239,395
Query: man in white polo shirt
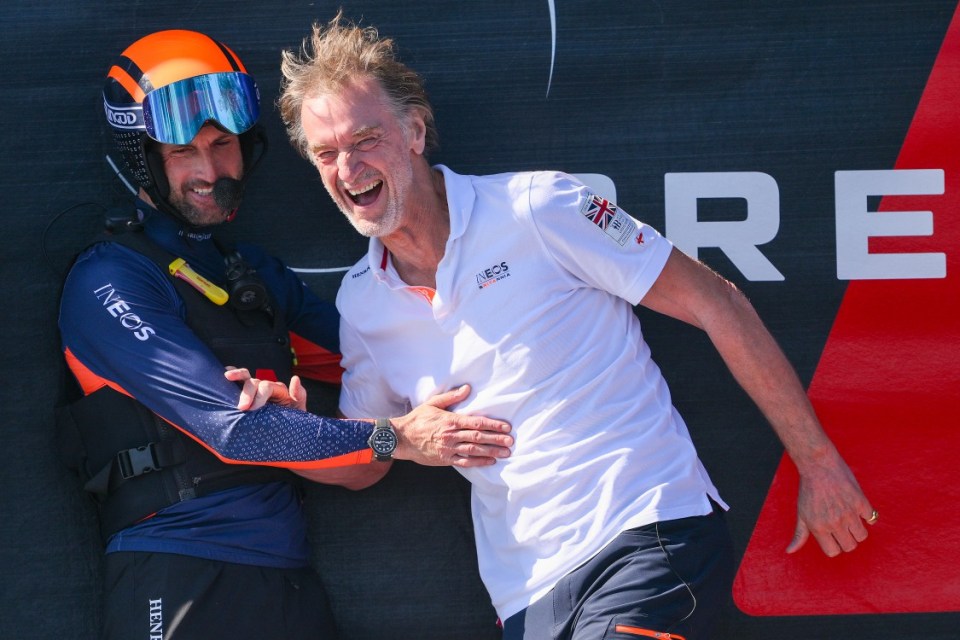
603,523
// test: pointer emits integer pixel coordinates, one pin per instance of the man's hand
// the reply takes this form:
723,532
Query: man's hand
430,435
256,393
832,507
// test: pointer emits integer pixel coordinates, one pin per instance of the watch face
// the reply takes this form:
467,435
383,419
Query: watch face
383,442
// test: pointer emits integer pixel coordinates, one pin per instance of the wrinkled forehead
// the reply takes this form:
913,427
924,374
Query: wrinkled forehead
349,110
358,93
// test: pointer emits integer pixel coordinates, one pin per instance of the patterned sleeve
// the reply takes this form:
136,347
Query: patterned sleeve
122,326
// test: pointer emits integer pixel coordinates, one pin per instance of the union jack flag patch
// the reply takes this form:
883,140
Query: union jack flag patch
618,226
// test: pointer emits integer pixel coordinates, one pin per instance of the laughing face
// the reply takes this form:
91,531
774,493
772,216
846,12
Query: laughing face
193,168
364,154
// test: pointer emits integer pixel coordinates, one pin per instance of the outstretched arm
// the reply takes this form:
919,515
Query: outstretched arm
429,434
831,505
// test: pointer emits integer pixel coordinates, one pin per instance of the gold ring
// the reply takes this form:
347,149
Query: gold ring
873,517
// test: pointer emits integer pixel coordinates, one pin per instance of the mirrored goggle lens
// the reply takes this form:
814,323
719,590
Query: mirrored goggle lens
174,114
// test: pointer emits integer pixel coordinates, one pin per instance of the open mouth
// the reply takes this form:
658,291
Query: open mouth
366,195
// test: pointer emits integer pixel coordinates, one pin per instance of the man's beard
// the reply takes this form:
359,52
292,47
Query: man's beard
194,215
401,179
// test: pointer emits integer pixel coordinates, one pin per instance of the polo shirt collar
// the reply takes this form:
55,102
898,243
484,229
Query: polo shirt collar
460,198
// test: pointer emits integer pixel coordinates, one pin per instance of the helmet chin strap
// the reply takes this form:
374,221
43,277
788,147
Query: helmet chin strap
228,192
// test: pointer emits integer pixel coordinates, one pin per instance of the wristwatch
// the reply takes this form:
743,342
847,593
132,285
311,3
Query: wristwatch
383,440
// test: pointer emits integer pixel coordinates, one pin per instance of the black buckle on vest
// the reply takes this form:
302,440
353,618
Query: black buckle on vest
138,461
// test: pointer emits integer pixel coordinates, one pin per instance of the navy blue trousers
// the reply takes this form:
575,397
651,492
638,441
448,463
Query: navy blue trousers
665,580
162,596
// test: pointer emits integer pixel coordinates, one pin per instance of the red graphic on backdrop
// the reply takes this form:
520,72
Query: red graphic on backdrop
887,390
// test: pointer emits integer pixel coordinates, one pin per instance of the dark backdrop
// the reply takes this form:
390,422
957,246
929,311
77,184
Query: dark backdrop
636,89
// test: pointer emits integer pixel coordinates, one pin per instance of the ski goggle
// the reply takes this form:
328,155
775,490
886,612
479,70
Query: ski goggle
175,113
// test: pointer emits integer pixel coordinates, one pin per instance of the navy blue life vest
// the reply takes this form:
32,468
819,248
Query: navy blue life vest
133,462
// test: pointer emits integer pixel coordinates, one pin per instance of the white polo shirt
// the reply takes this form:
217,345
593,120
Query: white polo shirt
533,308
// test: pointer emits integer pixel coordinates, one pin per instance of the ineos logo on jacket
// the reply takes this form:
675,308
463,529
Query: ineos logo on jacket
119,309
488,276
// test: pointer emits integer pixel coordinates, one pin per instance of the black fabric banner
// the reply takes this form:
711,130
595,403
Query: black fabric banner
732,112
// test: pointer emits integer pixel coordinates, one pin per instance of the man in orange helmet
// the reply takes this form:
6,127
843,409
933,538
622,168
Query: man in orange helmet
204,529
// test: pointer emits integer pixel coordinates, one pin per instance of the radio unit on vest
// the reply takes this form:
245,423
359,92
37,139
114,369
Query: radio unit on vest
247,291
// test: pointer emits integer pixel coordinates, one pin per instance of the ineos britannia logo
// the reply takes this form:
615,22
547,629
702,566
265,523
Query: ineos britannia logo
493,274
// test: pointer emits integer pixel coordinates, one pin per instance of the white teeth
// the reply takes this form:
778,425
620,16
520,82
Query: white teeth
365,189
203,192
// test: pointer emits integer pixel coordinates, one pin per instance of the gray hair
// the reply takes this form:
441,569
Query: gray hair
337,54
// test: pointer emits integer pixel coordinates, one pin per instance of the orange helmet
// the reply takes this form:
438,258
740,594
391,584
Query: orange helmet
164,88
